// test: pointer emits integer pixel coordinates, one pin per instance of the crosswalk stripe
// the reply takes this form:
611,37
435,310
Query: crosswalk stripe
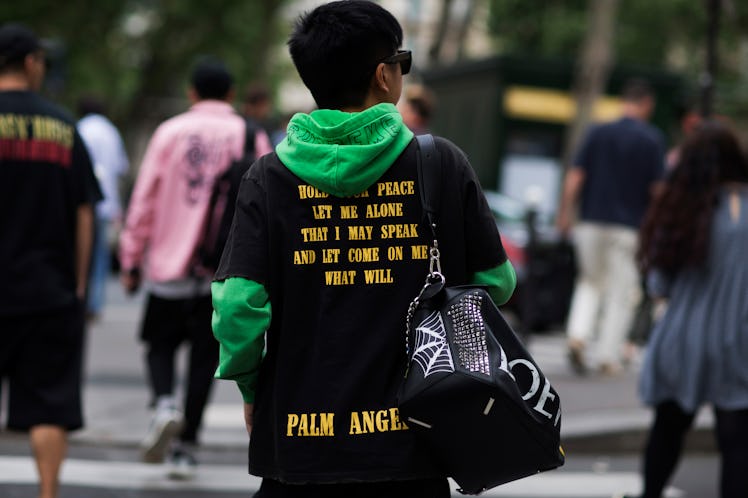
573,485
131,475
225,415
234,478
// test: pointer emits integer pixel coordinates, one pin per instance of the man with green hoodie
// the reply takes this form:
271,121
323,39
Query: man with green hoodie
328,248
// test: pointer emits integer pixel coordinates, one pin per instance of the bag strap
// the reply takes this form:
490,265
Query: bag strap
429,167
250,129
429,177
429,171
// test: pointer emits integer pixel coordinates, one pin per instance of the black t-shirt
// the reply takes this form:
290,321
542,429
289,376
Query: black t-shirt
340,273
45,174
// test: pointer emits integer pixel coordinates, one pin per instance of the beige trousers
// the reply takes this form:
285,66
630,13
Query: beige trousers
607,289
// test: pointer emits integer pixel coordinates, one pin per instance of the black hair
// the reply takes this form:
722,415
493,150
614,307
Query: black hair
676,229
636,90
16,42
91,104
256,93
422,100
211,79
336,48
421,106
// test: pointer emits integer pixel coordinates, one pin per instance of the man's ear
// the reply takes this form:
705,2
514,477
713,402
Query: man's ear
192,95
381,82
34,70
29,63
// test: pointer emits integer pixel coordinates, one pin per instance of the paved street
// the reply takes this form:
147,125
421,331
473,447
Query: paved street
602,429
96,472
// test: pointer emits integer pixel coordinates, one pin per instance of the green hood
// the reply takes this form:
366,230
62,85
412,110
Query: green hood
344,153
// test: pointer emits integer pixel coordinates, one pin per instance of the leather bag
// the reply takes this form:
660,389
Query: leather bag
472,393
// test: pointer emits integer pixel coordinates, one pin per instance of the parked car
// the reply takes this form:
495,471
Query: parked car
543,260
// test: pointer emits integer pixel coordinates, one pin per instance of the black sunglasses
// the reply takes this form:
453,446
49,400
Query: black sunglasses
402,57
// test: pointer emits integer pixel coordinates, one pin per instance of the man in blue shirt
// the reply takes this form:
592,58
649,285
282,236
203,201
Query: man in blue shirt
609,186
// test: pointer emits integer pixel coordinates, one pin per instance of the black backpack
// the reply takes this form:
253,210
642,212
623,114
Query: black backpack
222,204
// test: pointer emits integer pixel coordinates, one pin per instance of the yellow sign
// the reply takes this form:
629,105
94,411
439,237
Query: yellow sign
556,106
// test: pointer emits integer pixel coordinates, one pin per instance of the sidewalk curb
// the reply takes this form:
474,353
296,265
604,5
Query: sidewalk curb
617,441
633,441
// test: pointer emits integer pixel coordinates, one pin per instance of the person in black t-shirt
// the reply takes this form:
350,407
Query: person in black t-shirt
47,195
327,249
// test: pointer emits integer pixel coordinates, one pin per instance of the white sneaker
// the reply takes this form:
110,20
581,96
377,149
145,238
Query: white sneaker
181,465
166,424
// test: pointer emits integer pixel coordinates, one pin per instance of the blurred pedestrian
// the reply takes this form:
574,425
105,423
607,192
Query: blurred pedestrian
615,171
688,122
648,310
258,107
47,196
693,248
280,132
163,229
107,150
417,108
329,248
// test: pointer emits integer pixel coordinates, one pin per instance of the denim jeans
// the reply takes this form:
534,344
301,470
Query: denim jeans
100,268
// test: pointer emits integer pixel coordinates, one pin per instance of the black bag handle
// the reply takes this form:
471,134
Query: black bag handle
429,175
429,168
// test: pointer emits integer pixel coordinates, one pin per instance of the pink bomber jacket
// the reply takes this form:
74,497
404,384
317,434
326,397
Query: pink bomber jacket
168,208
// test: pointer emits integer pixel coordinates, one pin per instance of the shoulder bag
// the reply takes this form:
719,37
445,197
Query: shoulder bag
472,393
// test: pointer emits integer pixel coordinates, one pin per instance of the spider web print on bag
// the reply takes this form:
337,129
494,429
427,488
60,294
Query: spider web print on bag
431,349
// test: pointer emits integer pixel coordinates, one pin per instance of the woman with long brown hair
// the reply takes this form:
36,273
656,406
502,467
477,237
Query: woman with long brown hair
693,245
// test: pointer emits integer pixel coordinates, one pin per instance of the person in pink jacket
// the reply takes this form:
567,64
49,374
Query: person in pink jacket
164,226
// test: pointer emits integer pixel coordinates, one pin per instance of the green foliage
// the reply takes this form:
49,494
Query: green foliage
664,33
137,54
538,27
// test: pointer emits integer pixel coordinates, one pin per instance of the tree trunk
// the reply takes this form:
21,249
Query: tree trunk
708,76
464,27
435,52
593,68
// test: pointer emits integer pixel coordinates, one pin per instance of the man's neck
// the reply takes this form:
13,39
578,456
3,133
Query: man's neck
13,81
635,111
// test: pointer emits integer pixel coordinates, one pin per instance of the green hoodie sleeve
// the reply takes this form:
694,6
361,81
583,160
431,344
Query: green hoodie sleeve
241,315
501,281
